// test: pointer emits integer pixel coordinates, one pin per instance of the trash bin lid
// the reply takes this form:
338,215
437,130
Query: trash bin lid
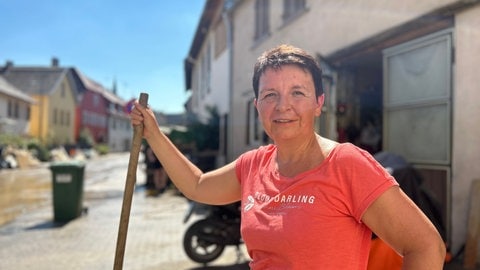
67,164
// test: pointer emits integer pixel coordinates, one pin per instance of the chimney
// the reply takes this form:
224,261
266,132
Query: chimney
55,62
8,65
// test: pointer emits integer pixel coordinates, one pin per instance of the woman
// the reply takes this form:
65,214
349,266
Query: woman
307,202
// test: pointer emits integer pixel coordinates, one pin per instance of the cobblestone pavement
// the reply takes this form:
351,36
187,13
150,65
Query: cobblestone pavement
154,238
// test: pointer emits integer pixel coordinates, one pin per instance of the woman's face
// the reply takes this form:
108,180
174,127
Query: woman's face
286,103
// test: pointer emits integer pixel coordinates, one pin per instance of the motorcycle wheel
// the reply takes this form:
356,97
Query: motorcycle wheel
196,244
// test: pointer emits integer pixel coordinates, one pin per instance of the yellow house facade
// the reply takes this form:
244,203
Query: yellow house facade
53,113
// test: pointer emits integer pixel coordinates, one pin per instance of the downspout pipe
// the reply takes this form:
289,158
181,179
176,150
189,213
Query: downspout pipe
227,18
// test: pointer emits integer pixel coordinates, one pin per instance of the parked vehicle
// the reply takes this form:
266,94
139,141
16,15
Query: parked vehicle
205,240
7,160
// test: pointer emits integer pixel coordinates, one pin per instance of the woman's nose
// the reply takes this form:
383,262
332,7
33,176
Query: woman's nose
283,103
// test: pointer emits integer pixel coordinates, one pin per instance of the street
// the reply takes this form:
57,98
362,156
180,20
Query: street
29,239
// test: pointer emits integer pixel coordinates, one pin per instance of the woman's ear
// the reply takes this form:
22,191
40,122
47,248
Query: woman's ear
320,101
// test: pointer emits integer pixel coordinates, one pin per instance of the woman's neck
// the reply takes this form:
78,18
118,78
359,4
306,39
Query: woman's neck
295,158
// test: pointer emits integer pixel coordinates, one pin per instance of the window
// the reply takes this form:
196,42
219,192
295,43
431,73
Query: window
202,83
418,109
96,100
62,93
55,116
10,109
205,72
292,8
262,18
208,67
16,111
254,131
220,38
248,126
13,110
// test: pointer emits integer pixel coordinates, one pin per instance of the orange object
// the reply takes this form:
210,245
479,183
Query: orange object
382,256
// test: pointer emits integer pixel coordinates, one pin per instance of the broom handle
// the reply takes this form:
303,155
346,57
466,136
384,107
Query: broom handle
129,188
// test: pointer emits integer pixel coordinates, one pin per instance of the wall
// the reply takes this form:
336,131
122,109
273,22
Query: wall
466,132
93,115
325,27
218,91
219,94
19,125
120,132
62,101
39,117
331,25
244,56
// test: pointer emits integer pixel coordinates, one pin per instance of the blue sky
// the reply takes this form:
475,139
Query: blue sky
141,44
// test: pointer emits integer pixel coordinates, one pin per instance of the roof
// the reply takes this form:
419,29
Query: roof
44,80
76,83
9,90
35,80
208,14
96,87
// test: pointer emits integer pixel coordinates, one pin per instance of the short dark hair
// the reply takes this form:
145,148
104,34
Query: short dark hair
287,55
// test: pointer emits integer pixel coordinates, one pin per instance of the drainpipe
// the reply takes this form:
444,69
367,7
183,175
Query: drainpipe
227,18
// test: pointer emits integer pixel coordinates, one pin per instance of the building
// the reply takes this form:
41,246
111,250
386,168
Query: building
406,67
91,115
52,115
14,110
101,114
208,70
120,130
68,105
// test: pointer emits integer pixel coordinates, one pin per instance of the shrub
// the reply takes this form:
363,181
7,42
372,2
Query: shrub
102,149
40,151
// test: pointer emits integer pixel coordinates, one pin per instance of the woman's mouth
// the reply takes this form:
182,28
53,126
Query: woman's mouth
282,121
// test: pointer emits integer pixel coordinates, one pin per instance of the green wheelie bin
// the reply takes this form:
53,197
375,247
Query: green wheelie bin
67,190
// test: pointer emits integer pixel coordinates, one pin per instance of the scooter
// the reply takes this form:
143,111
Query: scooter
205,240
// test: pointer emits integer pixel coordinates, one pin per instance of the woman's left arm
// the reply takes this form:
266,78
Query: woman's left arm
396,219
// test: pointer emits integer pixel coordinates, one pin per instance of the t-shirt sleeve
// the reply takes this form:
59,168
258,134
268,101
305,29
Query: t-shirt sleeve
248,164
364,179
239,164
243,165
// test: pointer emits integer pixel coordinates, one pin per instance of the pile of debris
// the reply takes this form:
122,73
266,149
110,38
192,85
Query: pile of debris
13,158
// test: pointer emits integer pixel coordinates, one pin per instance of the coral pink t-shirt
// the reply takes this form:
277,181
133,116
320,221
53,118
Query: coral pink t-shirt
313,220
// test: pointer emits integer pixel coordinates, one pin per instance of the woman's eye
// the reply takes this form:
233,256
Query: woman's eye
298,93
269,95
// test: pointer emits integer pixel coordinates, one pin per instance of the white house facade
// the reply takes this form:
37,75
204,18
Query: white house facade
14,109
406,67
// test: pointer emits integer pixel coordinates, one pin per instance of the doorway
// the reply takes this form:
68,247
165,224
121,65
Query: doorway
395,96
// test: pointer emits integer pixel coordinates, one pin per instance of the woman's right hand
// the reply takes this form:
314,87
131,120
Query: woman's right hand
141,115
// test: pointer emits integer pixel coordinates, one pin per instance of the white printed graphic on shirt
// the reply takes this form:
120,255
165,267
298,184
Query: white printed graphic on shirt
249,204
283,199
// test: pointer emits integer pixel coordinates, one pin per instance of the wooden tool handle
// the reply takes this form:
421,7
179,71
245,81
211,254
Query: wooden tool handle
129,188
